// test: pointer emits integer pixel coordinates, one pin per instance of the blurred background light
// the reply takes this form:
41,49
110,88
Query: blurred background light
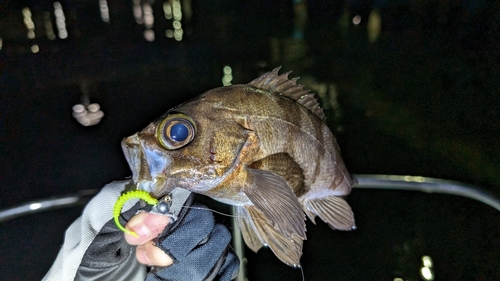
35,49
177,10
103,7
147,11
88,116
137,12
374,26
227,75
30,25
173,12
144,15
167,9
177,24
31,34
356,19
426,272
149,35
178,34
427,261
60,21
49,29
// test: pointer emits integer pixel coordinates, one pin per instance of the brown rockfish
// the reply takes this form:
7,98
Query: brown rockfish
262,147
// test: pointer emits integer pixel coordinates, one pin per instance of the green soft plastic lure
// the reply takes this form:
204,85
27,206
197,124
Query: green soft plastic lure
140,194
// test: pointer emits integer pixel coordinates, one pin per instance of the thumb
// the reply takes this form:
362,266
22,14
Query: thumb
147,226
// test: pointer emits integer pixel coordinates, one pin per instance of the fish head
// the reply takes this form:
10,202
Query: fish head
192,146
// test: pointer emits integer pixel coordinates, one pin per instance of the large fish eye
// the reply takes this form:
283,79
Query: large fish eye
175,131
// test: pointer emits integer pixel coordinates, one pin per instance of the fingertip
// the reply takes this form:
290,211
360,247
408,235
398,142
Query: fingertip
142,256
145,226
138,234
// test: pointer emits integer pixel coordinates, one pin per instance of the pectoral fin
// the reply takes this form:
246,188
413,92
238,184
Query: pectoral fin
282,164
287,249
333,210
245,224
272,195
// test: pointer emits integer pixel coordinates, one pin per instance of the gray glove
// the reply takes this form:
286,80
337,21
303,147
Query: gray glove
199,247
109,256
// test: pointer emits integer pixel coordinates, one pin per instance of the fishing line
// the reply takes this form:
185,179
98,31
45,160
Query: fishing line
221,213
302,271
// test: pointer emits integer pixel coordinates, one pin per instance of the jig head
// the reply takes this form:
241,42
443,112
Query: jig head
141,194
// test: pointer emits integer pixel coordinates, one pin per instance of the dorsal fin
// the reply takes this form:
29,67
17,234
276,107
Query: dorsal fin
271,81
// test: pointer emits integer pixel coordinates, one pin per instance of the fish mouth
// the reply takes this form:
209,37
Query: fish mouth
148,165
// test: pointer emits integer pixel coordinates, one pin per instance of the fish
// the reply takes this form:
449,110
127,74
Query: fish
262,147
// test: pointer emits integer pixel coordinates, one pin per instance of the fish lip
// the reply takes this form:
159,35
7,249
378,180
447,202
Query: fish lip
148,164
129,147
154,186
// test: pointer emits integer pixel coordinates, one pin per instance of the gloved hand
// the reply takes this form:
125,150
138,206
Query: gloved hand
94,248
199,247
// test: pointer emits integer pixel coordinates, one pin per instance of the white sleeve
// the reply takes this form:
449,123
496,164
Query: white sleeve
82,232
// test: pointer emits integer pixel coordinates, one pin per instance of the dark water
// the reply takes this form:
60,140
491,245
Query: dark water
420,100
